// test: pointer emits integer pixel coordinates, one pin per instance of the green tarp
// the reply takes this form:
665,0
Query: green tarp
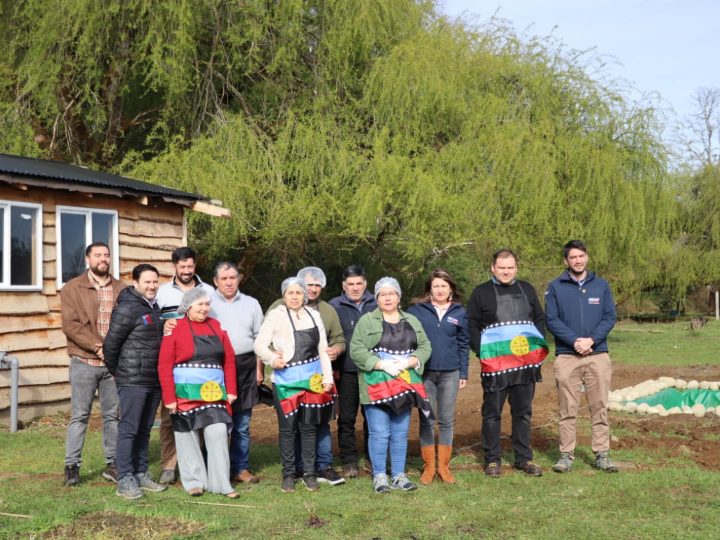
672,397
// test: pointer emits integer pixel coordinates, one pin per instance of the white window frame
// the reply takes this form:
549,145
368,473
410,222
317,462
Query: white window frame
87,212
5,285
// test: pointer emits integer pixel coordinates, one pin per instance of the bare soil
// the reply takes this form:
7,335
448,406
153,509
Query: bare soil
668,437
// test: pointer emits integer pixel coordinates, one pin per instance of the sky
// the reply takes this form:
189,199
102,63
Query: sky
668,47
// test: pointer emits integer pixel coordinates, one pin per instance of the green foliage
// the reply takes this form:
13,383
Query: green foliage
342,131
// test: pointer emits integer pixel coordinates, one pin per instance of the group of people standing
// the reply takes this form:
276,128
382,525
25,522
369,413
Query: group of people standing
203,352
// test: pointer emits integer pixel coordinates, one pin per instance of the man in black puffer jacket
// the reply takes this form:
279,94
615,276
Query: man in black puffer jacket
131,350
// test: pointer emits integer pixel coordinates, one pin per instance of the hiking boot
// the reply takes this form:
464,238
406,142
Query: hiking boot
288,484
311,482
167,476
72,475
602,462
380,483
493,470
402,482
529,468
128,487
350,470
565,463
146,482
110,473
330,476
245,477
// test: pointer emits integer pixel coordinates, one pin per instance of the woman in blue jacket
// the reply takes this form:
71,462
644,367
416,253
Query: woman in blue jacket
446,324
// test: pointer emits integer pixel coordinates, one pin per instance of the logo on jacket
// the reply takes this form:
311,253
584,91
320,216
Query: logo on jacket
453,320
594,300
147,319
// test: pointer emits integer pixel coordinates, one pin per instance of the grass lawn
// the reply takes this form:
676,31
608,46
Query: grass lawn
659,495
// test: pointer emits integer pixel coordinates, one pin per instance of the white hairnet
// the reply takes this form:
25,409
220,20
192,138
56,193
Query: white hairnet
314,273
294,281
191,297
386,282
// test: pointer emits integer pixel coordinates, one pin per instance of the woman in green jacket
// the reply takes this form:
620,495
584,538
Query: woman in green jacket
390,348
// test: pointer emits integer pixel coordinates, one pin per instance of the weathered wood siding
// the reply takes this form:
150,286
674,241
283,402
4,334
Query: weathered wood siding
30,322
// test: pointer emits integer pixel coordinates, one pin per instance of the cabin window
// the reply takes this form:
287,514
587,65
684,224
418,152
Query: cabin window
20,246
77,228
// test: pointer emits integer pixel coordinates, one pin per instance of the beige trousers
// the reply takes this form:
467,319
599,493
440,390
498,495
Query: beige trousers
571,373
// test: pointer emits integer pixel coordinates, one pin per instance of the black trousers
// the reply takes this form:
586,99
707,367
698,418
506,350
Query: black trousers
138,405
520,397
349,403
287,428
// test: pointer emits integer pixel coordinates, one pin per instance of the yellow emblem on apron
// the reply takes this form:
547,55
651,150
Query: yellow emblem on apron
211,391
316,384
519,346
405,376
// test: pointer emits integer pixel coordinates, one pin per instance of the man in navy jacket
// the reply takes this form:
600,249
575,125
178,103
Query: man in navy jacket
580,312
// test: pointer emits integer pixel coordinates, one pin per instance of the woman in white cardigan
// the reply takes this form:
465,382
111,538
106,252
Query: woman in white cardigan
292,341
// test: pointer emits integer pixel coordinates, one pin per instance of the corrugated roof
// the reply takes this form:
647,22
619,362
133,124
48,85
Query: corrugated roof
41,168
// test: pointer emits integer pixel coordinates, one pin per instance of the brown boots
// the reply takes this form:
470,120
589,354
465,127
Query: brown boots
444,453
428,455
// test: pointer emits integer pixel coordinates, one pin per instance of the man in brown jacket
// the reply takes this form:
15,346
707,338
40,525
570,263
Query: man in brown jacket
86,304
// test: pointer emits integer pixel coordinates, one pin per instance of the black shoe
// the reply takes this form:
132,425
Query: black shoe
330,476
311,482
288,484
299,473
529,468
493,470
72,475
350,470
110,473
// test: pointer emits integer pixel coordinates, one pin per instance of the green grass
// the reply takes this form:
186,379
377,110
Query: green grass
665,344
658,496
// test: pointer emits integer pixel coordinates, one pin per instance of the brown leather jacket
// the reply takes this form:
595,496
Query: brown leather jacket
79,305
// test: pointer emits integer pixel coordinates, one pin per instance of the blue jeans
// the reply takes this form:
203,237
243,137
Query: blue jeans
442,390
323,449
138,405
240,442
387,430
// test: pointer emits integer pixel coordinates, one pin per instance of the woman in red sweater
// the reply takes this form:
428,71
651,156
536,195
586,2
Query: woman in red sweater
197,376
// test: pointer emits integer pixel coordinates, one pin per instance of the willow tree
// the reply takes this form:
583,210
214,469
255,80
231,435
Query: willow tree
341,131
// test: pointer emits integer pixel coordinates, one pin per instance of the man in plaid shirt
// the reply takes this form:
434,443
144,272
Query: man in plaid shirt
86,303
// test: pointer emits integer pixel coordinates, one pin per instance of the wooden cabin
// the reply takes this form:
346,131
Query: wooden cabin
49,213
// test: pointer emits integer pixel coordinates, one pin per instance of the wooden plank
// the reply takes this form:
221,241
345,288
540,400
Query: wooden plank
49,252
17,303
166,269
31,376
49,287
49,269
42,357
166,243
149,228
27,413
23,323
211,209
143,254
32,339
36,394
49,235
53,301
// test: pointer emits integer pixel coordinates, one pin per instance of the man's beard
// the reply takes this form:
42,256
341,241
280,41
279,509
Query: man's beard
100,273
186,281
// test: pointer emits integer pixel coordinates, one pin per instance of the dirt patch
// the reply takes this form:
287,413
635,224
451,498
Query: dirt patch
673,436
122,526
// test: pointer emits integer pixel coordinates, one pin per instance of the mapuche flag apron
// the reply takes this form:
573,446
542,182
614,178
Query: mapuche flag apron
200,385
298,386
511,351
405,391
